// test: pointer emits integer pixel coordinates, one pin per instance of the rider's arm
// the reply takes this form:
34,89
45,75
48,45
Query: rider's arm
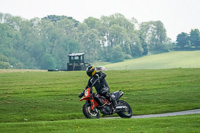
89,84
102,75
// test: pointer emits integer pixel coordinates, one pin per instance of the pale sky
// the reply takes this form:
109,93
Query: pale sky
177,15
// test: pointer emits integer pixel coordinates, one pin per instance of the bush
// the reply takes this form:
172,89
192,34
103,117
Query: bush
128,56
4,65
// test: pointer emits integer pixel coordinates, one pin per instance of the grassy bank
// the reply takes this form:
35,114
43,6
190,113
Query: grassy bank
175,59
50,96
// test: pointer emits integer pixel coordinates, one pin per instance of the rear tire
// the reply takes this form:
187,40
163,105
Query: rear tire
128,112
90,113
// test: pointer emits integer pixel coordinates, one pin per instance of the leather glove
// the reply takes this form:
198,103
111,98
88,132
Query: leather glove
81,94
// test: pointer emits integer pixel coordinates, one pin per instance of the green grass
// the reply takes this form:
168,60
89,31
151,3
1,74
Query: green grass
52,96
175,124
180,59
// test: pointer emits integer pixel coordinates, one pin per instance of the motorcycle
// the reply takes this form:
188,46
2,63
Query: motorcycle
95,102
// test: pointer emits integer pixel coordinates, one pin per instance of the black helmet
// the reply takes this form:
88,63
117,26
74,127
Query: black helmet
91,70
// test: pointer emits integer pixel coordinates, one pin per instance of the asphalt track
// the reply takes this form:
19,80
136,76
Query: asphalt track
194,111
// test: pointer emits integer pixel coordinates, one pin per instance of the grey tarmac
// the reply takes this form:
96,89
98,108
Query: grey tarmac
187,112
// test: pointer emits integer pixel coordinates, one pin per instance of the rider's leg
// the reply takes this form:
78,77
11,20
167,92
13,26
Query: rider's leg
106,92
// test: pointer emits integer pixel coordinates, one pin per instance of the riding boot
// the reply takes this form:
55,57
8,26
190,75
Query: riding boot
114,104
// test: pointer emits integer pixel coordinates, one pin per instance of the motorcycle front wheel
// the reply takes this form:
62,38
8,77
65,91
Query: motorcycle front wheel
89,113
127,113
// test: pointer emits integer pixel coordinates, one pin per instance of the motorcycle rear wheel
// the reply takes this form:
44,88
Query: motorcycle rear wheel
128,112
89,113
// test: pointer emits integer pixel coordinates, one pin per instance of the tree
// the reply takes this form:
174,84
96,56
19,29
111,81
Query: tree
4,62
143,35
119,19
91,45
153,36
160,36
48,62
195,38
117,54
55,18
182,40
8,38
92,23
121,31
116,35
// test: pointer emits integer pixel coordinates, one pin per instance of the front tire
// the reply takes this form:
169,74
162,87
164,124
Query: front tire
127,113
89,113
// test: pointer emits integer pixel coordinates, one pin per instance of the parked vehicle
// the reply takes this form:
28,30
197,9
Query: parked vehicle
101,68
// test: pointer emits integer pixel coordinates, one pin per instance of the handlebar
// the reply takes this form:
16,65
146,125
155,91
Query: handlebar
81,94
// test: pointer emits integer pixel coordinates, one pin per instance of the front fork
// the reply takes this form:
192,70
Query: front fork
93,102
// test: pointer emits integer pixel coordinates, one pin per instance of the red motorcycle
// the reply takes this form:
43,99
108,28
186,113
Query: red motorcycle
95,102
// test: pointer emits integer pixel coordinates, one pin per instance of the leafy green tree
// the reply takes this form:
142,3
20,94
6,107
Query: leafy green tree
160,36
92,23
4,65
195,38
182,40
1,17
48,62
116,35
90,42
153,36
7,39
122,31
119,19
117,54
4,62
135,45
55,18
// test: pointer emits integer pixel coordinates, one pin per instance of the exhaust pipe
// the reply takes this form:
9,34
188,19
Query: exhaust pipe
121,107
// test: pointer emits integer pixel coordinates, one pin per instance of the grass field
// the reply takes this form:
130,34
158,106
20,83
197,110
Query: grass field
175,124
20,70
32,101
50,96
180,59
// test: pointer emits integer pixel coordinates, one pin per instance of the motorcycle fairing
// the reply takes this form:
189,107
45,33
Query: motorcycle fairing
87,94
117,94
89,97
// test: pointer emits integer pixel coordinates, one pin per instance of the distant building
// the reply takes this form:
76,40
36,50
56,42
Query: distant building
76,62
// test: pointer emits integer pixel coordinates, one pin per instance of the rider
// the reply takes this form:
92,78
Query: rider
101,85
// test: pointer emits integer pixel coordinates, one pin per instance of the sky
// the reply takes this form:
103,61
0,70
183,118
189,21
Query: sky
177,15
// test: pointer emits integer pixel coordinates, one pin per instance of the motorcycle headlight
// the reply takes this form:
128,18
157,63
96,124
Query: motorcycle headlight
86,93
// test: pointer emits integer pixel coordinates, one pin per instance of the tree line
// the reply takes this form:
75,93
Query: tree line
189,41
44,43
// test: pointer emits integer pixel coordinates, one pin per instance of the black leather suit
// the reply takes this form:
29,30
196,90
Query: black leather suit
101,86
